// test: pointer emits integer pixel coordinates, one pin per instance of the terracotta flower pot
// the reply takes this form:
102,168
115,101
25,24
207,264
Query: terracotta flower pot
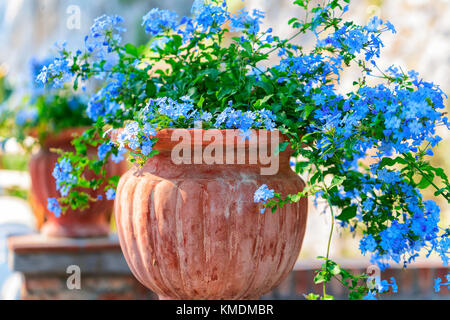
92,222
193,231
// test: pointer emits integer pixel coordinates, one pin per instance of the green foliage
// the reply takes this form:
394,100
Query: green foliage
355,284
44,114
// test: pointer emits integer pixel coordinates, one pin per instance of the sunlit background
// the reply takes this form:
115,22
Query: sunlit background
29,28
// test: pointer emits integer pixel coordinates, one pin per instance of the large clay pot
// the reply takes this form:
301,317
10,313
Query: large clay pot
91,222
193,231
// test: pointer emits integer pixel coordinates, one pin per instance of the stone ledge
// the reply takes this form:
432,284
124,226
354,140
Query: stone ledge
38,255
363,263
35,243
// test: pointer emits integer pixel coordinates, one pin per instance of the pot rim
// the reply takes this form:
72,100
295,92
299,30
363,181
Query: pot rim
64,136
232,137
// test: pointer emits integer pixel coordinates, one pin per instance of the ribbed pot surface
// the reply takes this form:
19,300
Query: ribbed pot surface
194,232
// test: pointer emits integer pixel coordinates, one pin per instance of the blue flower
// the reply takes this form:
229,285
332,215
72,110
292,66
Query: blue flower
437,284
147,147
63,175
157,21
105,35
385,286
103,150
131,130
26,116
370,296
149,130
390,27
209,16
206,116
159,43
263,194
110,194
53,206
103,103
119,157
57,73
368,243
374,24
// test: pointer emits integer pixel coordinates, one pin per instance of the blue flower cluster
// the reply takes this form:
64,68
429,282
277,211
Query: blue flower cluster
244,121
105,35
382,287
409,117
262,195
137,138
208,17
243,20
106,149
103,150
386,286
137,135
36,65
63,176
53,206
58,71
358,39
438,283
175,109
110,194
28,115
393,120
103,103
156,21
419,218
305,65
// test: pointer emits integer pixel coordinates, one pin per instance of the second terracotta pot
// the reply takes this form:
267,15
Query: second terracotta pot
92,222
193,231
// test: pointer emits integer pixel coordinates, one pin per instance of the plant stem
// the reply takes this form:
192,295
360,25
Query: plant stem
325,189
329,241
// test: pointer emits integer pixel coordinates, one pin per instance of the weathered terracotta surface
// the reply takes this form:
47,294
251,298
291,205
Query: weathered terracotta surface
194,231
92,222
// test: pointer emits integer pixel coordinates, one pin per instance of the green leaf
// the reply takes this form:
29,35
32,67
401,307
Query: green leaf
308,110
312,297
320,277
266,85
150,89
281,147
302,3
292,20
424,183
131,50
335,270
439,192
247,46
260,102
337,181
348,213
200,102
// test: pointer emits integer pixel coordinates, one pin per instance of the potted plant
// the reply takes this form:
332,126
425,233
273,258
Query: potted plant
212,94
51,119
